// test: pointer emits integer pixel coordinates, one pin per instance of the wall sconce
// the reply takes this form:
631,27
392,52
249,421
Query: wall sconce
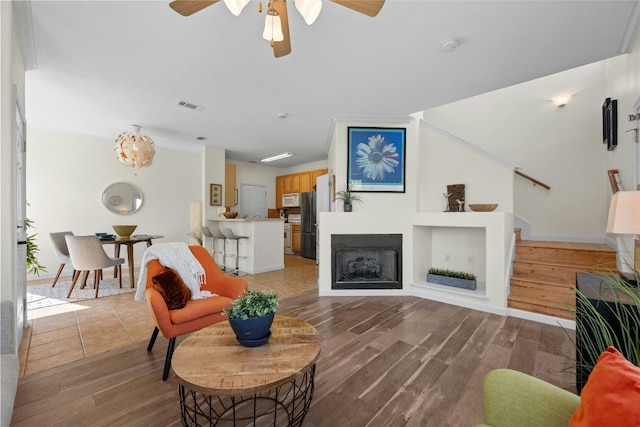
561,100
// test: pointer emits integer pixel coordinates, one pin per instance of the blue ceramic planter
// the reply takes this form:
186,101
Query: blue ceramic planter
254,331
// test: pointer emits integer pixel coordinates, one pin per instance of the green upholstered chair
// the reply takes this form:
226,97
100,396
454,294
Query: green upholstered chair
512,399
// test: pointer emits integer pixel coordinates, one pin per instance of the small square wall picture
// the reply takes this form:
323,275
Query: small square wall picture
376,159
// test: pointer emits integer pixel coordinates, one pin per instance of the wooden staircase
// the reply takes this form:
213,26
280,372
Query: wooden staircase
544,274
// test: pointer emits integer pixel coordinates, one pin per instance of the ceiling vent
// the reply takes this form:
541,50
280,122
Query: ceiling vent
191,105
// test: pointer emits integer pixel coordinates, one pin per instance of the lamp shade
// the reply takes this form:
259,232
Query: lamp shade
273,27
135,150
624,213
309,9
236,6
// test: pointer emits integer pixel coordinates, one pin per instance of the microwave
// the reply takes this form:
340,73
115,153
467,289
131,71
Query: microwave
291,200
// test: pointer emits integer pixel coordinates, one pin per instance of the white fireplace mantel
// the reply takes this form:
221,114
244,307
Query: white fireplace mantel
477,242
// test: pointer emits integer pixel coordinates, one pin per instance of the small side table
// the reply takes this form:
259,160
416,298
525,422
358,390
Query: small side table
220,381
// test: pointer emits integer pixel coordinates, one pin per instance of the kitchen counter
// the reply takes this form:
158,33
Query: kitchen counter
263,250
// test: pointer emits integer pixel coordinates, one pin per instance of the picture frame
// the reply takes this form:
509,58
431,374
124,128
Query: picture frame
610,123
215,194
376,159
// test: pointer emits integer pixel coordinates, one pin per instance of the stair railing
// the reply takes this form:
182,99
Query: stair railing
535,181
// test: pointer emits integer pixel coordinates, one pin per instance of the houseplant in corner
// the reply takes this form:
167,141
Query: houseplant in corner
457,279
347,197
251,316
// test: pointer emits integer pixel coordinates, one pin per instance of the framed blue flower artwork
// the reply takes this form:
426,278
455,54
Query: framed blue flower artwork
376,159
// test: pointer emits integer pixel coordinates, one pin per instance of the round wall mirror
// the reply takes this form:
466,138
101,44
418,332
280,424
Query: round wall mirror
122,198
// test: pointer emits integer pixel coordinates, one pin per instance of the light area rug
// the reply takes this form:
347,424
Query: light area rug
40,296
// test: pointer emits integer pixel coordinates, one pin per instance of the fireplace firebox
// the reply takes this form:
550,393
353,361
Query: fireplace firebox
366,261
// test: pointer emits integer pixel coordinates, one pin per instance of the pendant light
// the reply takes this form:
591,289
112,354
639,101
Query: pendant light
135,150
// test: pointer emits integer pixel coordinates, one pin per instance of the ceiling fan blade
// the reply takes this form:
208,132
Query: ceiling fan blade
189,7
284,47
368,7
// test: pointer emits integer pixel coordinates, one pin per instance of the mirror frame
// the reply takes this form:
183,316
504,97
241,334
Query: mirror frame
113,199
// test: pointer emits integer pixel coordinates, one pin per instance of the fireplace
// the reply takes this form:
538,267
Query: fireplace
366,261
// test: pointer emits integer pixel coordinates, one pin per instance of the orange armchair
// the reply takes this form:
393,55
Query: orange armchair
197,313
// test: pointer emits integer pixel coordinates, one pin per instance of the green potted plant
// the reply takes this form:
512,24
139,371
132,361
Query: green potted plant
33,264
347,197
607,314
251,316
457,279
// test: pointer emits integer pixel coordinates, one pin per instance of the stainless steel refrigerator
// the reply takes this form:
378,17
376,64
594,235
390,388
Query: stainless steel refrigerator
308,225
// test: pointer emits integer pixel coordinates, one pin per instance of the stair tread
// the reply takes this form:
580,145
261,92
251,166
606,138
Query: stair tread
543,282
600,247
589,267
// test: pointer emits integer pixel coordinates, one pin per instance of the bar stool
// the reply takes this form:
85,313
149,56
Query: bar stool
206,232
216,234
229,235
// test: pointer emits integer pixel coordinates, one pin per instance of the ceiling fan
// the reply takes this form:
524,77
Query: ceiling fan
277,22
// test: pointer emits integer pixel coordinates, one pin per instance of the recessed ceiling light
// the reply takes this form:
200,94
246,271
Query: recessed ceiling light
277,157
283,115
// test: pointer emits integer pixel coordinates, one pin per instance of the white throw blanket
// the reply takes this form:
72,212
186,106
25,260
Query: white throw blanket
177,256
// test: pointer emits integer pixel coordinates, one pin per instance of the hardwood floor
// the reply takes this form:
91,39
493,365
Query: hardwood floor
385,361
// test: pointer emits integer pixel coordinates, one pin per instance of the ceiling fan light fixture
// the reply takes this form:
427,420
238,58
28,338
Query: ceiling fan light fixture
273,27
276,157
309,9
236,6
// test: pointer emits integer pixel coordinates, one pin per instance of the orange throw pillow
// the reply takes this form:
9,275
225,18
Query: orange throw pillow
173,290
611,396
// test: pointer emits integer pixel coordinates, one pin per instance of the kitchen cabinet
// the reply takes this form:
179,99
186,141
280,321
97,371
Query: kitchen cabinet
286,184
302,182
305,182
295,183
279,191
295,238
230,199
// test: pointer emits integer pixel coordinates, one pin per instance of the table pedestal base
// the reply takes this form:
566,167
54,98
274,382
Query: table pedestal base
285,405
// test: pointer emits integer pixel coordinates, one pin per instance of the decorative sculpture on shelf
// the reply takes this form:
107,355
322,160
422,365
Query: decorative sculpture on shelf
446,197
456,198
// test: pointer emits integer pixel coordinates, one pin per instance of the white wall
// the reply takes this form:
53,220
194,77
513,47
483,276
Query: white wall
623,84
444,161
561,147
378,202
66,175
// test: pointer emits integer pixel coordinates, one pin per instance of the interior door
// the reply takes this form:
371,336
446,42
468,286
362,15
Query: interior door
254,200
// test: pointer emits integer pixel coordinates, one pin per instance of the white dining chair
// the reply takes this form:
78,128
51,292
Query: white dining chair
87,254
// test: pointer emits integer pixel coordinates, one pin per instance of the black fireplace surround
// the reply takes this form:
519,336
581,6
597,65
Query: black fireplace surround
366,261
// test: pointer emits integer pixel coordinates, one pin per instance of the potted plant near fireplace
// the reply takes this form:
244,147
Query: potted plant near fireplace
251,316
347,197
457,279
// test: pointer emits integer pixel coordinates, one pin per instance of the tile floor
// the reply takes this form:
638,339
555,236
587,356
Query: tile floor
64,333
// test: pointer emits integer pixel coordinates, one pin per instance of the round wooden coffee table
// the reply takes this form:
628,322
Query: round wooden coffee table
220,382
